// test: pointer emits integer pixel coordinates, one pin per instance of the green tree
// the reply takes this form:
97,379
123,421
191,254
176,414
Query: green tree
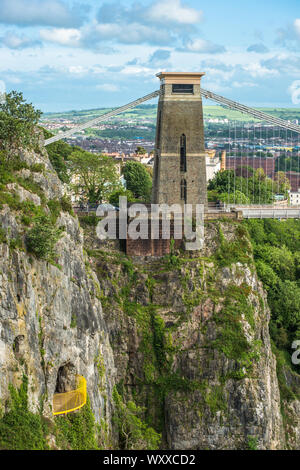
95,177
280,259
282,182
114,197
59,153
277,254
285,304
260,174
42,238
222,181
17,122
238,198
138,180
140,150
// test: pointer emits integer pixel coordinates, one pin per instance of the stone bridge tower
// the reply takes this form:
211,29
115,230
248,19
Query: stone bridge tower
179,175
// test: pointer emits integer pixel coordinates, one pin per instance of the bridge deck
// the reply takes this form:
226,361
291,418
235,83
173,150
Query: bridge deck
267,211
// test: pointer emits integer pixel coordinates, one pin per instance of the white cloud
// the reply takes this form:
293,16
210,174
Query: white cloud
40,12
284,63
77,69
14,41
108,87
237,84
64,36
255,69
297,26
136,70
259,48
2,91
203,46
173,11
133,33
294,91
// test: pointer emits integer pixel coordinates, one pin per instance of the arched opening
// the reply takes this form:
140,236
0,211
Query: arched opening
66,378
183,153
183,191
19,346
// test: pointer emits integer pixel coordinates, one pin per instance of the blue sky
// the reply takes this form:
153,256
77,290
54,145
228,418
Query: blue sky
75,54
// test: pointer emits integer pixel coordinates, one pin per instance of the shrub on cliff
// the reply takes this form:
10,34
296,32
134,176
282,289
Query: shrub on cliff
134,434
17,122
42,238
21,429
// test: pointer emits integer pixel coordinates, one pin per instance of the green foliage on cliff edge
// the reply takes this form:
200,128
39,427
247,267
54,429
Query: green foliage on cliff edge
42,238
17,122
233,251
77,431
134,434
20,429
276,246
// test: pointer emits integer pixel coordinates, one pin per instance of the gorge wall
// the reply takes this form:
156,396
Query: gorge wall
185,337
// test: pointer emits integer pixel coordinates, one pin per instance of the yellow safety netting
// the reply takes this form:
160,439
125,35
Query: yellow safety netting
70,401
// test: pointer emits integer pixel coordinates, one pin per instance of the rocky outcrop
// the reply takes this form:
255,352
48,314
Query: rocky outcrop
191,343
51,321
185,336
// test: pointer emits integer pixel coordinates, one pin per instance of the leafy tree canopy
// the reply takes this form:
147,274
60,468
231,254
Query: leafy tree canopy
141,150
17,122
95,177
114,197
138,180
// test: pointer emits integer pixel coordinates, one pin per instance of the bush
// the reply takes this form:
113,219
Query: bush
77,431
3,237
66,204
134,434
88,220
42,237
19,428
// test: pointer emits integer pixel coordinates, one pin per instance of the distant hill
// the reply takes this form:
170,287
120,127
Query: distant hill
148,112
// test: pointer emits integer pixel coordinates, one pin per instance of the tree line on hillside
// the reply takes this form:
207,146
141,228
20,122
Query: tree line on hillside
246,186
276,249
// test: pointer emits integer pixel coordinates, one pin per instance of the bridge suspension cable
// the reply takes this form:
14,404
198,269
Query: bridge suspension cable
104,117
207,94
247,110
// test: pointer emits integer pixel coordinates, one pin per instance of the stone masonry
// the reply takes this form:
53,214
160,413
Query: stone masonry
179,169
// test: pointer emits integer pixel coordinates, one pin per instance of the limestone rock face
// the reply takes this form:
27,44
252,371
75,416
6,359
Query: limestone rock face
50,317
186,336
191,344
234,404
51,320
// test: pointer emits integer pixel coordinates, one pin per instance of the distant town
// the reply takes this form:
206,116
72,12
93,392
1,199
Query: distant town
233,140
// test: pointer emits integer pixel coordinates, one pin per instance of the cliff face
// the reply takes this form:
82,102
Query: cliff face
51,320
191,343
185,337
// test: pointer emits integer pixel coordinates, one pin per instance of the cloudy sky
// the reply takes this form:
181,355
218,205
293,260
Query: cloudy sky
76,54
